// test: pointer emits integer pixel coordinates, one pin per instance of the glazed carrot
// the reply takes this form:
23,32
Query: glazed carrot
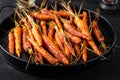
26,44
82,25
67,52
73,38
61,13
44,53
41,16
54,50
96,31
18,34
70,28
51,32
38,57
11,43
36,34
57,21
64,41
84,51
77,49
44,28
59,42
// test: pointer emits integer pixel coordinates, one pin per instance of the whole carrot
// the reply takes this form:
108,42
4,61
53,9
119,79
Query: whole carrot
26,44
37,35
11,43
18,34
38,57
54,50
61,13
59,42
73,38
44,27
44,53
96,31
66,43
51,32
41,16
84,51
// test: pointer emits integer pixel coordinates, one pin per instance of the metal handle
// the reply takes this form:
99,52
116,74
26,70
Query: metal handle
11,6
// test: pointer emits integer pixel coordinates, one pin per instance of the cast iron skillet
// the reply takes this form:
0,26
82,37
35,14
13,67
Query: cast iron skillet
51,70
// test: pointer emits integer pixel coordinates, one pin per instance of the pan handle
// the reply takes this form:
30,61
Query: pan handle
6,6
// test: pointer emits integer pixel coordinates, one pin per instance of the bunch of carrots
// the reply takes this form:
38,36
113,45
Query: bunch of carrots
55,36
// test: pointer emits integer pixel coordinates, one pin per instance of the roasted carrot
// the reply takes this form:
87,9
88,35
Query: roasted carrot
67,52
44,27
61,13
18,34
11,43
38,57
77,49
44,53
26,44
41,16
54,50
84,51
59,42
57,21
73,38
66,43
82,25
51,32
70,28
37,35
96,31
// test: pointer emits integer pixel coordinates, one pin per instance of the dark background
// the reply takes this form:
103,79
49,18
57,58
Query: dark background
106,71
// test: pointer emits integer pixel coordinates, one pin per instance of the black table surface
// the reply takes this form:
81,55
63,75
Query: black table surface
106,71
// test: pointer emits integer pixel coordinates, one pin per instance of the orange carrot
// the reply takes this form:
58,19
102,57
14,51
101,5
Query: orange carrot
54,50
26,44
44,53
38,57
61,13
97,32
18,34
59,42
51,32
73,38
11,43
64,41
37,35
44,28
41,16
84,51
77,49
67,52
